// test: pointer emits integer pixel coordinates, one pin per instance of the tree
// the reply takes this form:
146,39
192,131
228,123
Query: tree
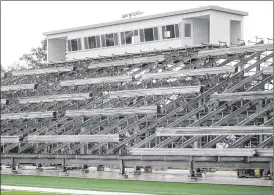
37,57
14,67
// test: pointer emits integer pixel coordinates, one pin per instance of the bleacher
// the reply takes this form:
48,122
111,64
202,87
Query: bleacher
132,96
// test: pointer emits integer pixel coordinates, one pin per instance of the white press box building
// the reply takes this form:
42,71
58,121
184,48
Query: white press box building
209,24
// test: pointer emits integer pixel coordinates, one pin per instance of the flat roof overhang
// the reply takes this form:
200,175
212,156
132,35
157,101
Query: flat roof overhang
187,11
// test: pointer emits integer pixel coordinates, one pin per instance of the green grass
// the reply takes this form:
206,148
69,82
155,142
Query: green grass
159,188
26,193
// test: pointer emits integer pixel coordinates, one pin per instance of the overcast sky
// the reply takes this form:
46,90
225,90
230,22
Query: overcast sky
22,23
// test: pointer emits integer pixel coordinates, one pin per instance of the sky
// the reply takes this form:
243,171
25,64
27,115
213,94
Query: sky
22,23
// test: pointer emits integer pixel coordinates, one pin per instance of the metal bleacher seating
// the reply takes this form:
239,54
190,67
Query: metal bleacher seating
106,104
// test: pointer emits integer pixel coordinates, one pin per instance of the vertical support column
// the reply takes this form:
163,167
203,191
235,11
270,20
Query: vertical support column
100,150
13,164
271,169
191,169
259,107
84,149
147,145
265,119
122,168
64,168
196,143
145,100
200,101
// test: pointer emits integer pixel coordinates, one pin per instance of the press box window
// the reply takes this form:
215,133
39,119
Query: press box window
129,37
74,45
187,30
92,42
170,31
109,40
149,34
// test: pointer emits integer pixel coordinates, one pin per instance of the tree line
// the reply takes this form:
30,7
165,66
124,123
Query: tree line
35,59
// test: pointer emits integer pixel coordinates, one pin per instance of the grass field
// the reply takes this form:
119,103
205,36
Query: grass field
158,188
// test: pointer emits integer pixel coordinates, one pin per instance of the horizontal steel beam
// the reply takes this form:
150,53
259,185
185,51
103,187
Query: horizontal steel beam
93,161
72,138
235,165
136,157
202,152
112,111
51,98
43,71
250,95
156,163
18,87
158,58
111,79
153,161
215,130
155,91
142,162
236,50
27,115
188,73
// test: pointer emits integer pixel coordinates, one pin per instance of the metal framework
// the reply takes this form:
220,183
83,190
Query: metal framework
131,96
201,152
